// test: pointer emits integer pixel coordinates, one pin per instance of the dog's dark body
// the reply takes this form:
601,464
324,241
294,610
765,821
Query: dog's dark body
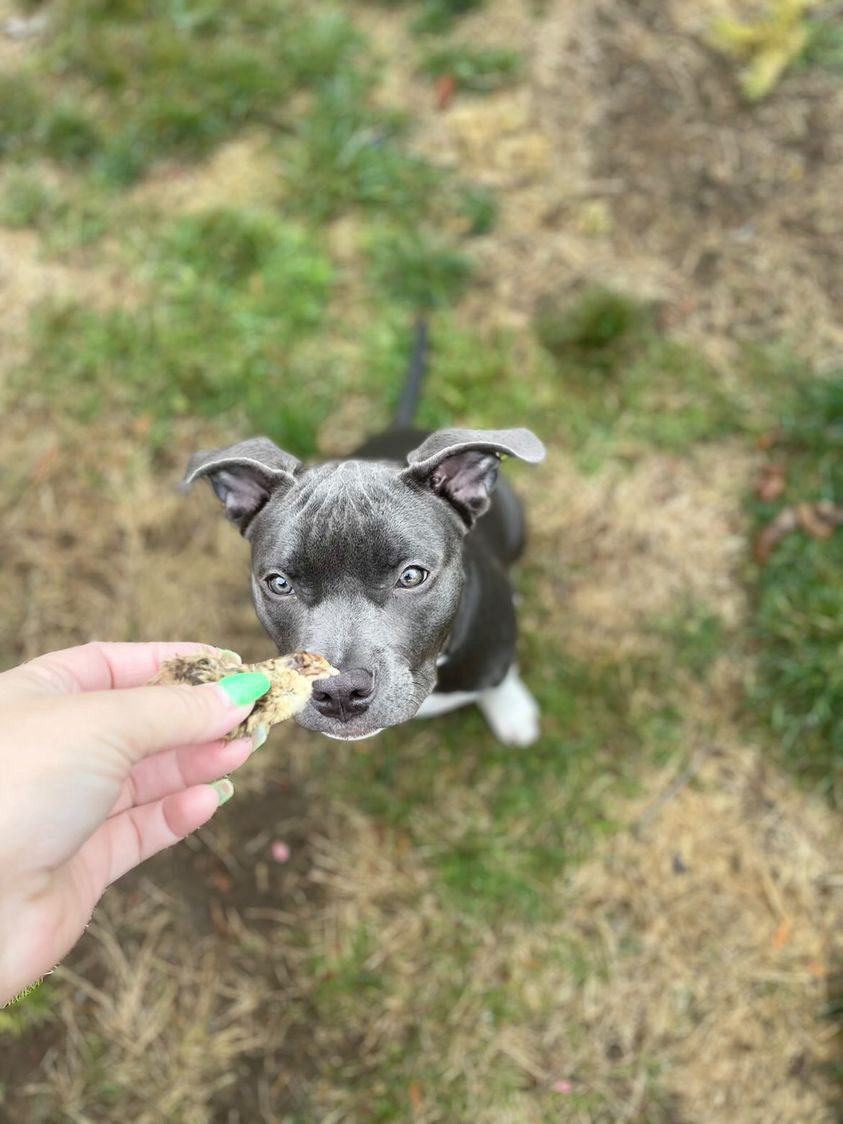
393,564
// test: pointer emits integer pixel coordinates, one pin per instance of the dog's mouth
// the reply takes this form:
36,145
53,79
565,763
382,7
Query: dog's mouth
356,729
354,737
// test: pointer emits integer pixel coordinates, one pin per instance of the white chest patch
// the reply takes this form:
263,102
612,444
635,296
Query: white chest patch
441,704
509,708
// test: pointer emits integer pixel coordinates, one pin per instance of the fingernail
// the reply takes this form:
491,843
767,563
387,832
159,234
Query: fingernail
245,687
224,790
259,736
232,657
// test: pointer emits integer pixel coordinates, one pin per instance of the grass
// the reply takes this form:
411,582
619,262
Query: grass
423,961
346,153
33,1006
237,297
799,597
478,69
627,384
436,16
599,325
216,68
825,45
533,815
418,269
67,217
20,106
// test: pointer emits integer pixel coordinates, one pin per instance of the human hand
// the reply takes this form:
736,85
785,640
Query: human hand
98,773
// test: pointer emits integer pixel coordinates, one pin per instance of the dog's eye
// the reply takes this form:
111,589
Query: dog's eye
413,576
278,584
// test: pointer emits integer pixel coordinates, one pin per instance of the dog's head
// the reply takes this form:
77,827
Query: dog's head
361,561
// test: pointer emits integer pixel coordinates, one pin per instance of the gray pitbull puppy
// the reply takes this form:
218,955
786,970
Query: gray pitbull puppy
393,565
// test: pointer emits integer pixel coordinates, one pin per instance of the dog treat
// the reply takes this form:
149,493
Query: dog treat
292,679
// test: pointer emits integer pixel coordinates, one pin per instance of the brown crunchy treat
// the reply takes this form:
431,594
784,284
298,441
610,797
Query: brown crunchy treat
292,679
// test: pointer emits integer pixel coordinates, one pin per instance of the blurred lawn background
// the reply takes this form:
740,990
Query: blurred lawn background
620,218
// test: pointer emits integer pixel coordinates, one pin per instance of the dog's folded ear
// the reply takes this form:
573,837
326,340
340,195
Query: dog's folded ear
243,476
461,465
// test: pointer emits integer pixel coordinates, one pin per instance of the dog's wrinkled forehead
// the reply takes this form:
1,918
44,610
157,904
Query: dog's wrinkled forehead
351,516
444,488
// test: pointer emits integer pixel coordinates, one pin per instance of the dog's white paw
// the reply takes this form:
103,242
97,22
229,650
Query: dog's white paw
511,711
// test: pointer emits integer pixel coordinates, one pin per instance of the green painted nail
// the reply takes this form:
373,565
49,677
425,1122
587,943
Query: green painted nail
259,737
224,790
232,657
245,687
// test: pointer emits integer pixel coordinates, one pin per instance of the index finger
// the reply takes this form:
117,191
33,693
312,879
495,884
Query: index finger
102,667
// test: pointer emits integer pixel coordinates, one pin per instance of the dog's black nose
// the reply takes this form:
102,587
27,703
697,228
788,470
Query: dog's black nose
343,696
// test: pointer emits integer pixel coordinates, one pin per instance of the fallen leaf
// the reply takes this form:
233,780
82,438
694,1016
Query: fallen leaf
218,918
817,519
446,87
812,522
831,512
415,1095
785,522
783,934
221,881
44,465
771,483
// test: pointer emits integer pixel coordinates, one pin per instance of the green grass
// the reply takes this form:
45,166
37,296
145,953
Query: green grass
825,45
347,153
216,67
346,976
541,811
478,208
418,268
227,247
235,300
436,16
691,637
798,624
33,1006
72,216
598,326
20,106
67,134
625,384
479,69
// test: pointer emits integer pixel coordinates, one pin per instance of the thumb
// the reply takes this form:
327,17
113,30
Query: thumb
141,721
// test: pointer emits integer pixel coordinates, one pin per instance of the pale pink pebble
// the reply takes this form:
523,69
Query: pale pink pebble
562,1086
280,851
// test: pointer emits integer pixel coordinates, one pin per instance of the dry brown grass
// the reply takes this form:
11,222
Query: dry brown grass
28,277
721,929
639,542
242,173
627,157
